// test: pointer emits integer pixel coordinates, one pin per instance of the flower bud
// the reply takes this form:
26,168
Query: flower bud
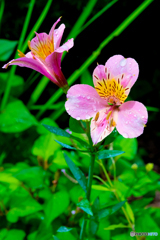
149,167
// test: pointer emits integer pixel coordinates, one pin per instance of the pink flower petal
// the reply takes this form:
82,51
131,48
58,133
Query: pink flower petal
53,65
33,64
83,102
58,33
99,74
52,34
132,117
65,47
100,125
127,66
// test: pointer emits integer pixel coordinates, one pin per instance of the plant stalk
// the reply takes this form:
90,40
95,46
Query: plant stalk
89,184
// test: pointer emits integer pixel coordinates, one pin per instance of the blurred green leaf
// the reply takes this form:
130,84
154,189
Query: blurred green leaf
8,179
45,121
93,227
3,233
15,234
99,187
77,173
86,78
45,146
16,118
114,226
85,206
17,83
128,145
64,229
108,153
21,206
110,210
111,137
33,177
65,236
7,48
56,205
74,125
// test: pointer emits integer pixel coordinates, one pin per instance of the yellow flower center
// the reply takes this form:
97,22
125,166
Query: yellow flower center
111,90
42,48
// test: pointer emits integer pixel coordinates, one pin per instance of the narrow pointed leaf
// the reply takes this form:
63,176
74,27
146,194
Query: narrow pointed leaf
77,173
108,153
57,131
110,210
63,133
85,206
65,145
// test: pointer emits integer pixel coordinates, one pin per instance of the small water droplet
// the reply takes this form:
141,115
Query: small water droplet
87,116
126,122
125,135
130,69
88,97
115,62
135,115
83,96
94,109
78,118
142,116
123,62
130,113
139,110
67,108
130,63
77,105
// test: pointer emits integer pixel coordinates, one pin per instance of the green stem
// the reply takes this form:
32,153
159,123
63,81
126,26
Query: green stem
13,69
89,184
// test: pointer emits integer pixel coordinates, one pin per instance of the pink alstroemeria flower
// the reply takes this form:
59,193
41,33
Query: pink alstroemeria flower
45,55
105,103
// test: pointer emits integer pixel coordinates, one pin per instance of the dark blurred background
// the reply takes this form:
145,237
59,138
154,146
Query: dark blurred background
140,40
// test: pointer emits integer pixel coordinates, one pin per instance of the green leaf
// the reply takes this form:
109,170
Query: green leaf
45,121
93,227
60,132
85,206
55,238
64,229
45,146
128,145
96,205
17,84
74,125
66,145
66,236
57,131
77,173
101,188
86,78
56,205
108,211
108,154
114,226
22,206
111,137
15,234
6,49
3,233
16,118
8,179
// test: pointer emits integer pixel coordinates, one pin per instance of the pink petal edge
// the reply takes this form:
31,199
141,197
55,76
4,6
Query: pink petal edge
83,102
132,117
